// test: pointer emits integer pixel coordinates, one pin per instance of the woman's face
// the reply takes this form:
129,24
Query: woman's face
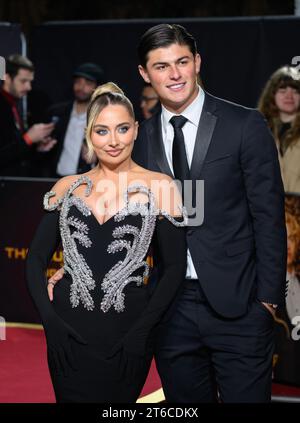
287,100
113,134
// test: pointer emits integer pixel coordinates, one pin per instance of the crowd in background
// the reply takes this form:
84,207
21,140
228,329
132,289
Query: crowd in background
56,146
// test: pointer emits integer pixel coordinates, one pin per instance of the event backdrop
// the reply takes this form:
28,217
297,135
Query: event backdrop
238,54
11,39
21,210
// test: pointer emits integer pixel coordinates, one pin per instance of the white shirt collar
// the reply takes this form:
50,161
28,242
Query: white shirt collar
192,112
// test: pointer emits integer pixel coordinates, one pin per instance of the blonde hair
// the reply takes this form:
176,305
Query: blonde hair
103,96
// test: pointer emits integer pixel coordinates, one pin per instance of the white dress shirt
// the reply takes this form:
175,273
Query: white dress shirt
192,113
68,161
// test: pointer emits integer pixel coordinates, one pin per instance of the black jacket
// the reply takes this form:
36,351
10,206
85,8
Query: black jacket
240,249
61,112
14,152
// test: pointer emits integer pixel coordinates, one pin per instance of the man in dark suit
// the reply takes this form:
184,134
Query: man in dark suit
69,155
220,331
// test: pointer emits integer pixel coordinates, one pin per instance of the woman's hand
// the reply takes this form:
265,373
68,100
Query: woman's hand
53,281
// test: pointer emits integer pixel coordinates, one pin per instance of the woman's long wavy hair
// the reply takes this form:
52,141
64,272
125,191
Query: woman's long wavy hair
286,76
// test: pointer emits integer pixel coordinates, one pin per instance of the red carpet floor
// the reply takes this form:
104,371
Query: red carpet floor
24,375
285,390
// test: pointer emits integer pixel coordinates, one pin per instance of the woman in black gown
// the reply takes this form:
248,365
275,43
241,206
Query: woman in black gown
101,323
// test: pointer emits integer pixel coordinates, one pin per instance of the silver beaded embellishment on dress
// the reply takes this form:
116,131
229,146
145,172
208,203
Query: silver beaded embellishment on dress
74,262
120,274
53,206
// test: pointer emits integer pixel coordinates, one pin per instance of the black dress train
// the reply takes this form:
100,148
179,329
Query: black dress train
100,325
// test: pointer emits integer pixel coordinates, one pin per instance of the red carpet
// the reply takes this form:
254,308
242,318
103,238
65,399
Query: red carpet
285,390
24,375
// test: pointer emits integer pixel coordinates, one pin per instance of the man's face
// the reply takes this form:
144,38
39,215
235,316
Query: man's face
20,85
172,72
83,89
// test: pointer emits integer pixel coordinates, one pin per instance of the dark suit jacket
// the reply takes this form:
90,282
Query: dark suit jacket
63,112
240,249
14,152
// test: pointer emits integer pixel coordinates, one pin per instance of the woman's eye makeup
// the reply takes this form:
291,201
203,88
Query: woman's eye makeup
120,129
101,131
123,129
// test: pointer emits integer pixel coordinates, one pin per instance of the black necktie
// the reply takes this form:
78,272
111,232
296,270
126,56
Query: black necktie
180,164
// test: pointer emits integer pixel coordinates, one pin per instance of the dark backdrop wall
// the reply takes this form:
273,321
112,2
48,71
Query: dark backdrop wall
10,39
21,211
34,12
238,54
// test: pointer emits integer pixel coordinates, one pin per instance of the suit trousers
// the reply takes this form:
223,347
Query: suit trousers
204,357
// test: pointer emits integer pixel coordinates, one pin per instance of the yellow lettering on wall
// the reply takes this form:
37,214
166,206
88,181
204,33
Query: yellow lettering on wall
16,253
9,251
20,253
57,257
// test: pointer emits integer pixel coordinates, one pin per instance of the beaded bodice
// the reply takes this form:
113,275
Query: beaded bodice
134,240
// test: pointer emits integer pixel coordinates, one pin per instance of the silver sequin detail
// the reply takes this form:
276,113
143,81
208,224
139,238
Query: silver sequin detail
74,262
120,274
53,206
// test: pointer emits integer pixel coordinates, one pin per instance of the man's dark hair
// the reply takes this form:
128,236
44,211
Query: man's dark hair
164,35
15,62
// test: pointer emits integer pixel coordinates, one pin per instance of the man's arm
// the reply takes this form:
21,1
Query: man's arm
265,194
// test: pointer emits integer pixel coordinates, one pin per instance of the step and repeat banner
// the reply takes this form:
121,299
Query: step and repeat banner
21,205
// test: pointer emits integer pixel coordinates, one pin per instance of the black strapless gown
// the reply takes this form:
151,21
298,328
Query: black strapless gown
113,338
97,378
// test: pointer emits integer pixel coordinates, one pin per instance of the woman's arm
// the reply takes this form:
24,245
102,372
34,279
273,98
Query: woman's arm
42,248
58,332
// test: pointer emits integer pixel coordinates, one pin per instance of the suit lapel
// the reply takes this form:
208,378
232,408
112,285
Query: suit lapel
156,148
207,123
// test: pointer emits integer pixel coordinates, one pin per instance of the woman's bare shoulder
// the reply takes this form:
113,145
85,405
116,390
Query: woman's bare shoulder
165,190
61,187
63,184
150,175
